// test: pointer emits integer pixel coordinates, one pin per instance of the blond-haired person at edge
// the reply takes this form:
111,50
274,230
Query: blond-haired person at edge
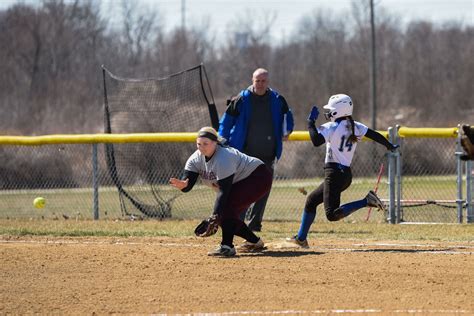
239,180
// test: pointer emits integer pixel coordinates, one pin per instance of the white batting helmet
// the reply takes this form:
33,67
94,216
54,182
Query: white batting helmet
339,105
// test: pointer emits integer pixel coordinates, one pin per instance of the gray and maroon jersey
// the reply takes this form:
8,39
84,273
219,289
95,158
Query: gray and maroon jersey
225,162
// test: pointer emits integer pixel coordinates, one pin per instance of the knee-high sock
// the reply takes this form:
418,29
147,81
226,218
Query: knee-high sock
306,221
229,226
245,232
351,207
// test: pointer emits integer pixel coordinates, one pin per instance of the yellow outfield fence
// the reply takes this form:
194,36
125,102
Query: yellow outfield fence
183,137
108,175
428,132
97,138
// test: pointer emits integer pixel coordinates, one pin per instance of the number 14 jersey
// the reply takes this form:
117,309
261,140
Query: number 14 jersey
338,147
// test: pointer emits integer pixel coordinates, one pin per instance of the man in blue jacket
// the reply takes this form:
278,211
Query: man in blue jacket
256,122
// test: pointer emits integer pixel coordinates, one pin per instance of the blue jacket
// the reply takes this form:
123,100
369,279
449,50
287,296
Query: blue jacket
234,128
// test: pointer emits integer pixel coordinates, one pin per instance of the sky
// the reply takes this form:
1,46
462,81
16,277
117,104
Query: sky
286,13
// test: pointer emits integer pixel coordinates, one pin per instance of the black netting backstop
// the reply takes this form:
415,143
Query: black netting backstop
182,102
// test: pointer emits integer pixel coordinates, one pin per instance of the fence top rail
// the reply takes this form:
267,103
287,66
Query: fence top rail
97,138
428,132
304,135
119,138
187,137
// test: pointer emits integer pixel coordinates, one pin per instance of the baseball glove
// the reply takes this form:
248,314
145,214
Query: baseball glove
467,143
207,227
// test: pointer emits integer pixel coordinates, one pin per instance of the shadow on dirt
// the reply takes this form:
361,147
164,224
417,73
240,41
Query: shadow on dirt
281,253
398,250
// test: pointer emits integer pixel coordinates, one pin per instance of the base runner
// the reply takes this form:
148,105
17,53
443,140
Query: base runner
341,136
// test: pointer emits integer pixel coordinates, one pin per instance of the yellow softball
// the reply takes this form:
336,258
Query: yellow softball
39,202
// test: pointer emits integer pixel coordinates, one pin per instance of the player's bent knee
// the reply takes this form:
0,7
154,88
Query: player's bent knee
334,216
310,206
310,209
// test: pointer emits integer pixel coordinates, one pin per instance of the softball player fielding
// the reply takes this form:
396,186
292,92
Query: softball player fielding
239,180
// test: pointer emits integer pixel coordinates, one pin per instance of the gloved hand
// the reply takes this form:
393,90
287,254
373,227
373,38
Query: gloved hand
207,227
313,116
393,147
467,142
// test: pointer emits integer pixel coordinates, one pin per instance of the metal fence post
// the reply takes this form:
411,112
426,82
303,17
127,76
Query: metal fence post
391,180
458,153
399,210
469,187
95,182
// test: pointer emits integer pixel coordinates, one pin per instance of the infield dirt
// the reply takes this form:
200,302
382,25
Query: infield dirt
174,275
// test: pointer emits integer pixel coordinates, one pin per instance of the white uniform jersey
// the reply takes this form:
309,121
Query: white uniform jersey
225,162
336,134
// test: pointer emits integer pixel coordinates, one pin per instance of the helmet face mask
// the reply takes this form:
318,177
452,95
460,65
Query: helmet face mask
339,105
328,114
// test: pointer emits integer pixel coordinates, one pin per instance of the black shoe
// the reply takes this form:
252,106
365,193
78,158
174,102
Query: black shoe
374,201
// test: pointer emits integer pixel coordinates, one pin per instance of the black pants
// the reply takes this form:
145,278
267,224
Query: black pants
337,178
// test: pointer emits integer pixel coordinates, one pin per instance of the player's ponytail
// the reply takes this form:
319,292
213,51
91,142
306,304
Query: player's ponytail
352,138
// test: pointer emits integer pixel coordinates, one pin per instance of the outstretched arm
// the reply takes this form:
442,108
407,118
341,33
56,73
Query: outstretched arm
187,181
377,137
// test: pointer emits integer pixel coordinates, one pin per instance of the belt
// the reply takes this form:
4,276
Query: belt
336,165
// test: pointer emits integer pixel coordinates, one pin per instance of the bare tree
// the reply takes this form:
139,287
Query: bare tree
140,24
247,47
51,56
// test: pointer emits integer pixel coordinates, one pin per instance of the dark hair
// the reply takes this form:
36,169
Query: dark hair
352,138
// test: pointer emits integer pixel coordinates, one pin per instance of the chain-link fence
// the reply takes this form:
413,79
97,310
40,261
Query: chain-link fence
429,181
433,184
75,187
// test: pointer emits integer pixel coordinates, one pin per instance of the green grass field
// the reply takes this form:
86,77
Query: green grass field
272,230
285,203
